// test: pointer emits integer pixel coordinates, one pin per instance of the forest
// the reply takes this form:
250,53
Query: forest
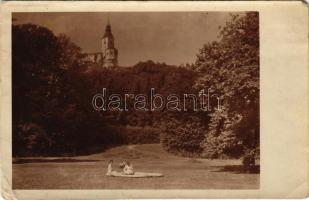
53,88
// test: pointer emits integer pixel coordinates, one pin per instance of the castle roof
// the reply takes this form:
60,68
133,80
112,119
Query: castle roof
108,31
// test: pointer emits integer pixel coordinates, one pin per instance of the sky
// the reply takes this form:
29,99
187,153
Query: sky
171,37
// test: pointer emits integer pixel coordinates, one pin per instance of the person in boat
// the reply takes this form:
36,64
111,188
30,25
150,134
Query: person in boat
128,169
109,168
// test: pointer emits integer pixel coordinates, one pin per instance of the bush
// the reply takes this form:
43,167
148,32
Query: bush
142,135
248,160
183,137
137,134
31,139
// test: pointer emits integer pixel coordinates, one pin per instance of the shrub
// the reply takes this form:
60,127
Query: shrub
31,138
137,134
183,136
142,135
248,160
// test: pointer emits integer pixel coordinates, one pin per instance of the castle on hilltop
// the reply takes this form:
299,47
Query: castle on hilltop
108,57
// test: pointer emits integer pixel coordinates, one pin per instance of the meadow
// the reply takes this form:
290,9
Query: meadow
88,172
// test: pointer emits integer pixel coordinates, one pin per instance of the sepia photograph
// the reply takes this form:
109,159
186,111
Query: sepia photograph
135,100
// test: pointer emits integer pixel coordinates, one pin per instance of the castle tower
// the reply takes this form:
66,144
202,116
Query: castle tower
109,52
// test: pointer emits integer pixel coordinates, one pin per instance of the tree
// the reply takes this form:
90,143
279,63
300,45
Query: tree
230,66
46,87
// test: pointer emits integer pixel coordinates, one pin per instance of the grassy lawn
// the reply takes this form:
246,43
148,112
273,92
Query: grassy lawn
88,172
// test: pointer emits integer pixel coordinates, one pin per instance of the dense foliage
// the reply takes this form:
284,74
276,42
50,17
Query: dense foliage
231,67
183,135
50,113
228,67
53,90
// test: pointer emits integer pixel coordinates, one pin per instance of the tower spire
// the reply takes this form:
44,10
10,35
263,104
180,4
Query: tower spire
108,23
108,29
